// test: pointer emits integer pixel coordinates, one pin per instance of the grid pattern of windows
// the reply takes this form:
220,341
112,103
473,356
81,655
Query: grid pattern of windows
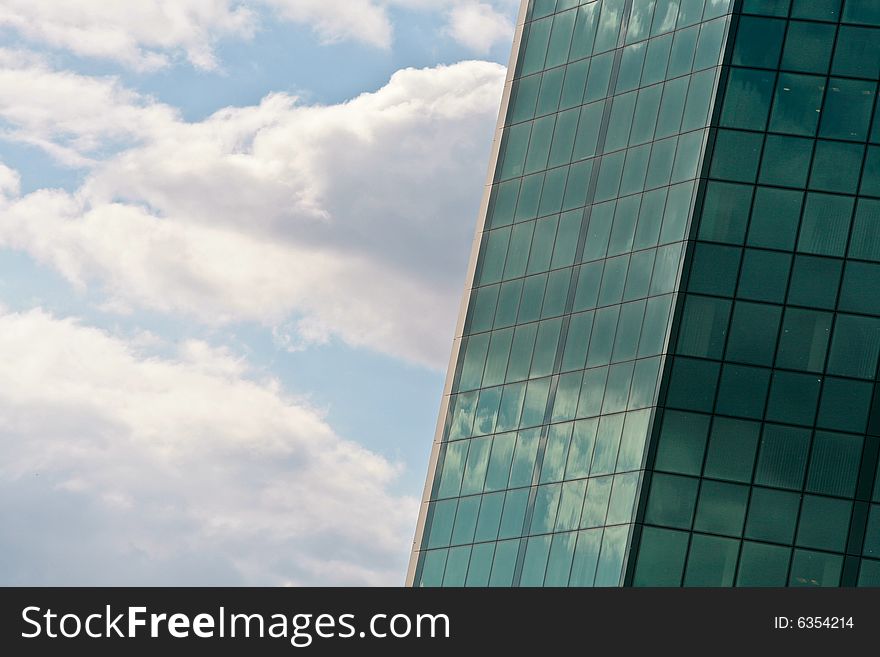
555,388
765,457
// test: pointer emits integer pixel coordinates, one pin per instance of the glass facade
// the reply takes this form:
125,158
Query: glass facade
765,458
666,371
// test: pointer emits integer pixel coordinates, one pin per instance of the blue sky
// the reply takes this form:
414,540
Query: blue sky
233,237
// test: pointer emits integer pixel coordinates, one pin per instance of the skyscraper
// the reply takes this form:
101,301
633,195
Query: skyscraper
665,369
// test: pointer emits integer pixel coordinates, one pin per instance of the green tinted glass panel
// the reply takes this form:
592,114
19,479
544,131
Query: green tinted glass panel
714,269
823,523
857,53
808,47
721,508
742,391
609,25
809,568
640,21
776,215
772,515
725,212
836,167
845,405
681,59
747,100
847,111
692,385
672,501
786,161
535,42
704,327
815,282
753,333
736,155
834,464
855,346
797,104
782,457
820,10
764,275
763,565
711,561
767,7
758,42
548,94
865,241
804,340
859,281
656,59
682,443
661,559
825,225
733,447
865,12
793,398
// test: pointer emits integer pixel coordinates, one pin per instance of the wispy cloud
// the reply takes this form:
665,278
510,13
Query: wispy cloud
364,21
141,35
153,34
75,118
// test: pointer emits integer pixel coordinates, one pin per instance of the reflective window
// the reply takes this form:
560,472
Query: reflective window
763,565
786,161
721,508
847,110
857,53
772,515
711,561
672,501
753,333
782,457
776,215
808,47
758,42
748,98
797,104
810,568
674,307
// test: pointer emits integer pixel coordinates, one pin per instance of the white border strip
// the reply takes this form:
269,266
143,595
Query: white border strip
463,308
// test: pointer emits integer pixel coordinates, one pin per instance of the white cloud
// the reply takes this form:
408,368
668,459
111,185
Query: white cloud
118,467
475,24
73,116
479,26
144,35
338,20
151,34
351,220
10,183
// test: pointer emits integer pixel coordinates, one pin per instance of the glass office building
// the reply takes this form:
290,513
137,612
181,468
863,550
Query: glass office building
665,369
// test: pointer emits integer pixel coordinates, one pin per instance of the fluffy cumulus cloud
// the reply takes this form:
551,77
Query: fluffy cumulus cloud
349,220
10,183
129,459
479,26
150,35
123,468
